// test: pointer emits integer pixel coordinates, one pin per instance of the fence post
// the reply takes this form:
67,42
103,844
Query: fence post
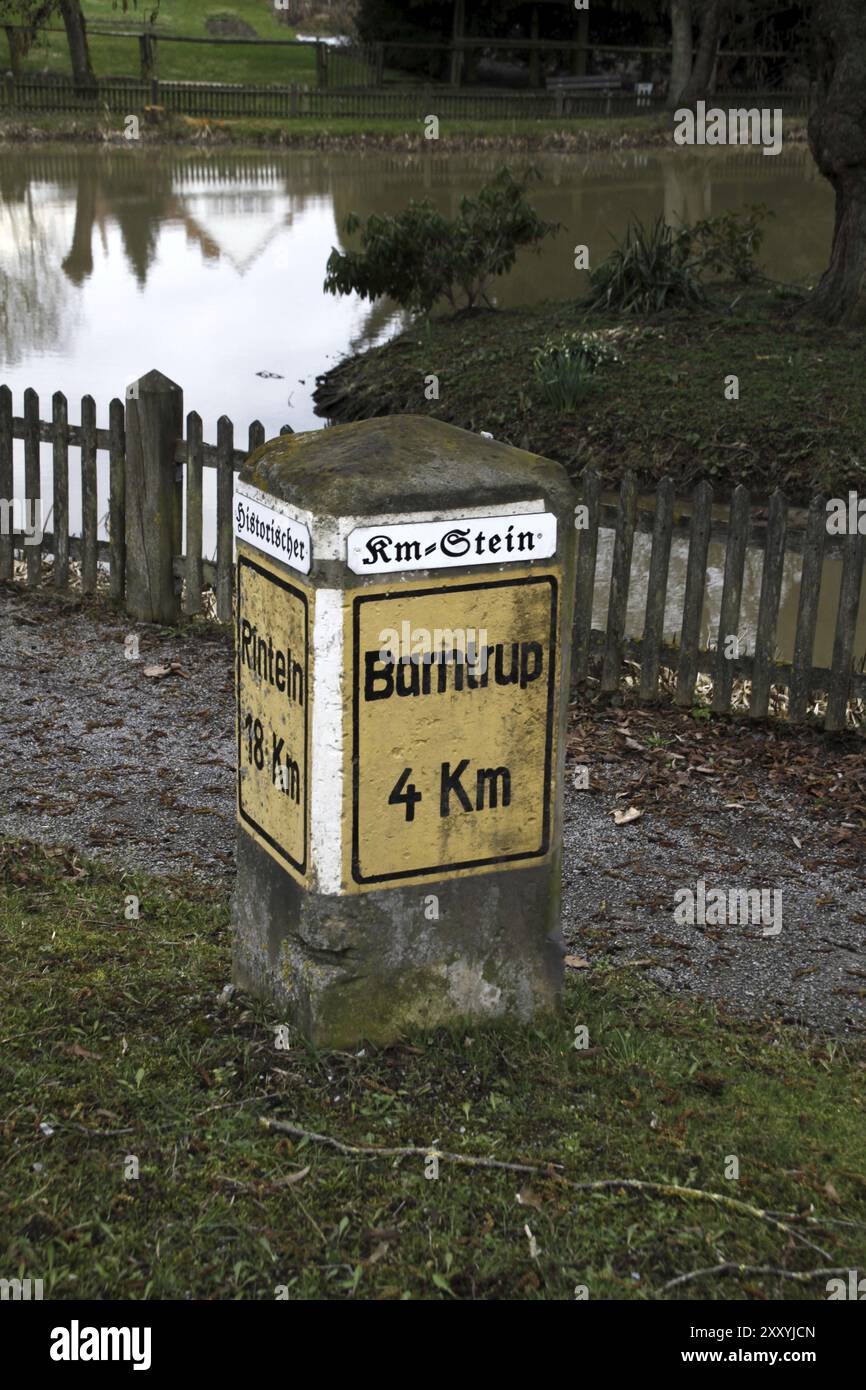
7,553
32,479
693,600
620,575
154,424
656,591
147,65
846,626
584,589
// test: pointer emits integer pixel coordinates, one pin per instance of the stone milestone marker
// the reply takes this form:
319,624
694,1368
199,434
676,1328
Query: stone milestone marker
404,596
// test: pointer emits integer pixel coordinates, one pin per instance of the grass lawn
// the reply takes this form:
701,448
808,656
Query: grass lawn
116,1046
581,134
198,62
799,423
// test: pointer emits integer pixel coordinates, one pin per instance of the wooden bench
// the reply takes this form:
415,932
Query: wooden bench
585,84
606,86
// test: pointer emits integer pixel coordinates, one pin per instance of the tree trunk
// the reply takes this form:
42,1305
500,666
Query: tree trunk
458,32
78,265
21,38
700,82
76,35
837,137
681,55
579,58
534,53
19,41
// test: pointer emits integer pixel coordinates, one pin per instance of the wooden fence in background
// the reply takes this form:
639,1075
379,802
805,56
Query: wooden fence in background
157,572
125,96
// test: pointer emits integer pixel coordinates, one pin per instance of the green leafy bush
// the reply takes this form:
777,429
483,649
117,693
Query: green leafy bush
728,244
659,267
647,271
564,367
418,257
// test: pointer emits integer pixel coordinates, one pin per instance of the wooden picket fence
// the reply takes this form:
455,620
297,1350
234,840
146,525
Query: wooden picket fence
149,564
157,573
687,659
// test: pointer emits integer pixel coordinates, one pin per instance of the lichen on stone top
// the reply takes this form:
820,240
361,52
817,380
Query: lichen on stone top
401,461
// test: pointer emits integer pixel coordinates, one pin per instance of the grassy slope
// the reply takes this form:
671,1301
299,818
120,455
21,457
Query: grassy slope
799,424
113,1025
578,136
202,63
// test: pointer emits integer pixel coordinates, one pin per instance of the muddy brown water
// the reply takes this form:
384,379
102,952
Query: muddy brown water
209,266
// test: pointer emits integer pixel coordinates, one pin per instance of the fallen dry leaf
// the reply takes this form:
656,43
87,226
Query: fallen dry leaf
626,817
76,1050
527,1198
292,1177
172,668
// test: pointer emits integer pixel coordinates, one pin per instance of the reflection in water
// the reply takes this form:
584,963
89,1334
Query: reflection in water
209,266
188,233
37,310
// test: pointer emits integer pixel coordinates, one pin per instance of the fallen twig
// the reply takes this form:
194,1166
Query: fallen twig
552,1169
409,1151
799,1276
274,1185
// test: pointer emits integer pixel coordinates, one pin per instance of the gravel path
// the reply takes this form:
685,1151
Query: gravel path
138,770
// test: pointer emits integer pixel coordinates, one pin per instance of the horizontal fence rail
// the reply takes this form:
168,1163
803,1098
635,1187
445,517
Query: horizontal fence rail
157,570
521,60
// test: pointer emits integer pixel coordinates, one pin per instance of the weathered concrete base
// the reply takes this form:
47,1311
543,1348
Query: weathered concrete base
373,965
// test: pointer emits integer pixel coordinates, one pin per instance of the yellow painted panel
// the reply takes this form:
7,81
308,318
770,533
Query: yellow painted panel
273,715
453,761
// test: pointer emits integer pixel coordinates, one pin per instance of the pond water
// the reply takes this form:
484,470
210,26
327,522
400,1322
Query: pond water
209,266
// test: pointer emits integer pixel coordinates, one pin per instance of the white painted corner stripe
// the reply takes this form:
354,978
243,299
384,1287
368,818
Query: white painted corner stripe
327,753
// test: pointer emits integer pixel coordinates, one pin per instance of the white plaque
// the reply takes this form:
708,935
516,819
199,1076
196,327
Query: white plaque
467,541
278,535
